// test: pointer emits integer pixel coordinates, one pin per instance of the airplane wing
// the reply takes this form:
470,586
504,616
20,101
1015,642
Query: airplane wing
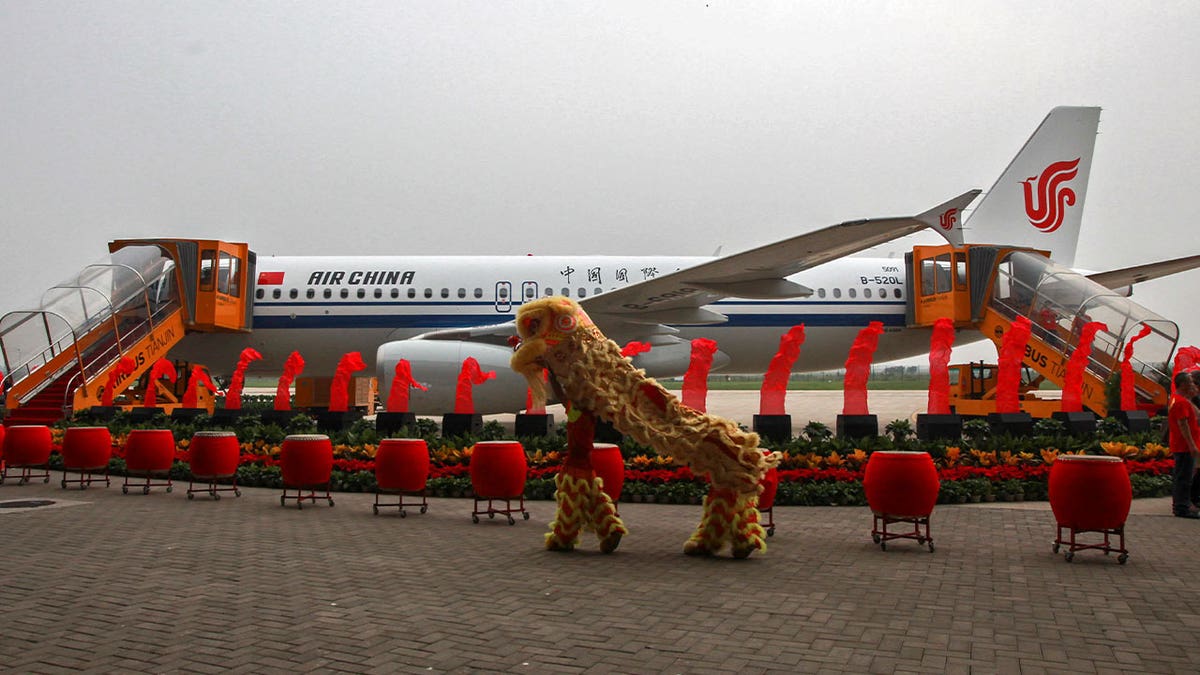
644,310
1140,273
760,273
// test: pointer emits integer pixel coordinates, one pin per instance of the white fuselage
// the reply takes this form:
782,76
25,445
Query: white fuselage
324,306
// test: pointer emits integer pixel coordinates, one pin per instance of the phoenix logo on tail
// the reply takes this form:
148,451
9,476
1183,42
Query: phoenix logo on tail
1047,206
948,219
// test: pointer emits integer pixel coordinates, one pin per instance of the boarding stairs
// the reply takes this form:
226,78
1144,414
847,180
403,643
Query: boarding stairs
59,356
985,288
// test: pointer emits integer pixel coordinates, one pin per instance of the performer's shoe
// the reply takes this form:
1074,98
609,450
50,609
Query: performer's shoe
1189,514
742,552
695,548
610,543
556,545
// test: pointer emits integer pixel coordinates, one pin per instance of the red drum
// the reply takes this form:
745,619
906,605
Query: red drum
306,460
86,448
901,484
610,467
27,445
498,469
770,485
150,450
214,454
2,434
1090,492
402,464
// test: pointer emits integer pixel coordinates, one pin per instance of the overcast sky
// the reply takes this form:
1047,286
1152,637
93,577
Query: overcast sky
573,127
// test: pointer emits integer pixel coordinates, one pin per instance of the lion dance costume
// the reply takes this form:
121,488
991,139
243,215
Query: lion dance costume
558,335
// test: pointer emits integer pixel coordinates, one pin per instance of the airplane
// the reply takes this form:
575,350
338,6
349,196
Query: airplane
435,311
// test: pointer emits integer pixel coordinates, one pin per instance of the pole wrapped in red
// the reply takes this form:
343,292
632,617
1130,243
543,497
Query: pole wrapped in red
198,377
774,386
291,368
470,375
124,367
233,396
1072,396
1128,395
161,368
940,345
695,380
397,400
633,348
1187,358
858,369
1012,353
339,395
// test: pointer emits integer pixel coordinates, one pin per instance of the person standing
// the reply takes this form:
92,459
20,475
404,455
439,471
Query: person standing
1184,434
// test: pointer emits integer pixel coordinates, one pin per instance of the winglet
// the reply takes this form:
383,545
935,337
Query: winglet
946,219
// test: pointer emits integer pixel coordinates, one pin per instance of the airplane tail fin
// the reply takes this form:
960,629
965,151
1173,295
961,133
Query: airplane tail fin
1038,200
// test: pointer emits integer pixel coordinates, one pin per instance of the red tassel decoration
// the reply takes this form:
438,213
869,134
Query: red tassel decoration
124,367
291,368
199,377
161,368
470,375
398,395
695,380
1072,396
858,369
1012,353
940,345
1128,394
339,395
774,387
233,397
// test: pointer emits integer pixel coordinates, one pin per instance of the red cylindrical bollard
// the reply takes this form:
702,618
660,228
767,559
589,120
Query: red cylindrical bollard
770,485
306,460
87,448
402,464
214,454
498,469
27,445
901,484
1090,492
150,450
610,467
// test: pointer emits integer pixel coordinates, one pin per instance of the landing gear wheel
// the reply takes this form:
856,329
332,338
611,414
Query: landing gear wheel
474,519
1123,558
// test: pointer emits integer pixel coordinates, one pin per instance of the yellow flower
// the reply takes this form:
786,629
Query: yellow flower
951,457
857,458
983,458
834,460
1049,455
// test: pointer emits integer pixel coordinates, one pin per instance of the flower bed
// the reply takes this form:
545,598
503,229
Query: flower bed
816,469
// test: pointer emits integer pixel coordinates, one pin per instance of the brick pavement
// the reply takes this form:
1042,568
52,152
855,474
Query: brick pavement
107,582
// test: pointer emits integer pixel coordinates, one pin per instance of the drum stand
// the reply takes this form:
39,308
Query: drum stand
881,536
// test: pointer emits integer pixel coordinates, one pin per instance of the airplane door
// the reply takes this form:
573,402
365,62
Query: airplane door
529,291
504,296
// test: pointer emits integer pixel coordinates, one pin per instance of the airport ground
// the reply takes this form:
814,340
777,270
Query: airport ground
99,581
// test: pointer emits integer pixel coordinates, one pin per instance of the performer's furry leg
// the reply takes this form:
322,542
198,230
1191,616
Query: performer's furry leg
729,518
604,519
573,503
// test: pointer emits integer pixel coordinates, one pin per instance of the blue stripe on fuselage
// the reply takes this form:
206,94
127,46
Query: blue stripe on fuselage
431,321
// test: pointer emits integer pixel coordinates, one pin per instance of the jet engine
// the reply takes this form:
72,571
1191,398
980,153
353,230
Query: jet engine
436,364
